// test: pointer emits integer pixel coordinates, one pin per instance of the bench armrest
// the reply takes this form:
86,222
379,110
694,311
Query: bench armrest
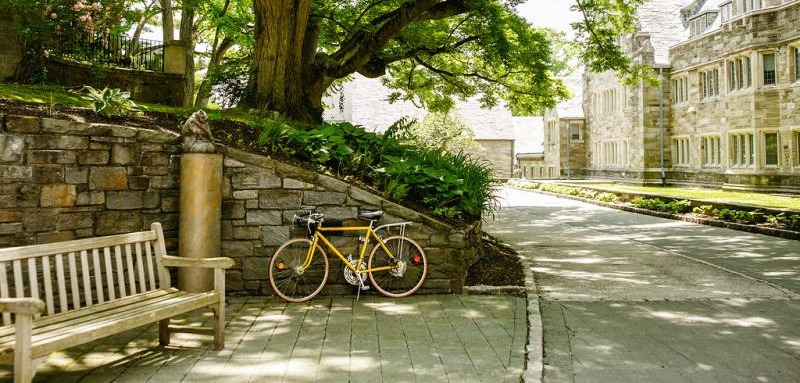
210,263
24,306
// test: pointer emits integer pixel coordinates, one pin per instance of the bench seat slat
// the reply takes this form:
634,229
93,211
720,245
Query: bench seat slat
119,303
75,331
24,252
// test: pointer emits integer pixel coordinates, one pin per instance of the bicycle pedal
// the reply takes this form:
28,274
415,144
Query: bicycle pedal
364,288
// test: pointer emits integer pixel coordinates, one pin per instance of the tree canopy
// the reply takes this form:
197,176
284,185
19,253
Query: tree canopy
432,52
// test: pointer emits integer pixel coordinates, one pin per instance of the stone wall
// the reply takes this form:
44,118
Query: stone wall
145,86
62,180
499,154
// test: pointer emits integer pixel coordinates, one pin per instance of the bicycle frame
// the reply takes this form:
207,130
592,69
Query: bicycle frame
368,232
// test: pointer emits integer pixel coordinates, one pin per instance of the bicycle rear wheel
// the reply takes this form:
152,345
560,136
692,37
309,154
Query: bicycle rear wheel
287,276
409,267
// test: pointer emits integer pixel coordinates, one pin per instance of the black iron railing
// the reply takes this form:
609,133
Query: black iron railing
111,50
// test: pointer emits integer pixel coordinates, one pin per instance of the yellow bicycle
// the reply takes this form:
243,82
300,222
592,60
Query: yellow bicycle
396,266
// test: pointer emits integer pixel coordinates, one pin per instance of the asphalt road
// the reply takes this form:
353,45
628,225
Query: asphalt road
634,298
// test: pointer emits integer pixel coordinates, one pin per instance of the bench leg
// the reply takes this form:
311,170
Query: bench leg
163,332
23,365
219,327
219,310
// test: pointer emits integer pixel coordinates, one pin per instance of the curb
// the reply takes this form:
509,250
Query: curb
534,349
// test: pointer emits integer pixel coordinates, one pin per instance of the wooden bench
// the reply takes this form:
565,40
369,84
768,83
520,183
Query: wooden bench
64,294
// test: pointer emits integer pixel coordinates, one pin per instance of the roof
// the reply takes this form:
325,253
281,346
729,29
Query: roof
572,107
528,134
367,105
662,20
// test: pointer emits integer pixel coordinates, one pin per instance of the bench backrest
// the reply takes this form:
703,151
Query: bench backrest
79,273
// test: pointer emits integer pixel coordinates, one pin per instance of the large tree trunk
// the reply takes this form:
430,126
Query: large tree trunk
187,40
282,78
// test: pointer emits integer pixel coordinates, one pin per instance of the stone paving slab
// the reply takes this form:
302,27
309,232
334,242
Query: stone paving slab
736,340
423,338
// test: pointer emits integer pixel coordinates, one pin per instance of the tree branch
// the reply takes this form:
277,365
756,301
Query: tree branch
359,50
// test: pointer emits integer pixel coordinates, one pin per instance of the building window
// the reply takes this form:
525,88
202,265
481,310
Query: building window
625,153
739,73
741,150
575,132
711,151
756,4
796,136
700,23
680,90
680,155
771,149
796,62
726,11
709,83
768,63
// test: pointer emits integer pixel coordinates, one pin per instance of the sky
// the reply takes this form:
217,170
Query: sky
549,13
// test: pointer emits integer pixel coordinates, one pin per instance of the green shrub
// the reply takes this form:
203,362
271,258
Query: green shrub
775,220
725,214
109,102
650,204
793,221
704,210
607,197
454,186
682,206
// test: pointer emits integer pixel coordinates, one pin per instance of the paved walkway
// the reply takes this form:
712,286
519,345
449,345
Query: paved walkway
433,338
633,298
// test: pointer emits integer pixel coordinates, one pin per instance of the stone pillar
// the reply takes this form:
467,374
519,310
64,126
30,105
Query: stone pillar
174,58
200,216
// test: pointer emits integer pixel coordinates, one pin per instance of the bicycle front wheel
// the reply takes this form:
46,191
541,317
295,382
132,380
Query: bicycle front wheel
292,276
408,262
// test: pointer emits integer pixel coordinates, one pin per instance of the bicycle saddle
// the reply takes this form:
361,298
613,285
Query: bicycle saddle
371,215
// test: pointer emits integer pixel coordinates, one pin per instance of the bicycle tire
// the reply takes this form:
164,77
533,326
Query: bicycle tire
403,279
285,274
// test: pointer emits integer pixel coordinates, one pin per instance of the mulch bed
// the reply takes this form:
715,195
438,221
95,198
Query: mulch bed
499,265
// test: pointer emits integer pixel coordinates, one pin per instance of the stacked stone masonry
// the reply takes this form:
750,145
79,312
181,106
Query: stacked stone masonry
62,180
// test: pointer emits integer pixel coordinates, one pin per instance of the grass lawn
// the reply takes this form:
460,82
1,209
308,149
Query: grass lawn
56,95
747,198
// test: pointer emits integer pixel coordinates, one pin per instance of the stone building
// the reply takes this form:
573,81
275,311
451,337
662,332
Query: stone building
529,147
624,124
725,113
735,85
565,154
364,102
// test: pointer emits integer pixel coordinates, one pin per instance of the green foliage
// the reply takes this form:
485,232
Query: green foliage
451,185
793,221
607,197
598,34
725,214
439,131
109,102
704,210
657,204
775,220
523,184
681,206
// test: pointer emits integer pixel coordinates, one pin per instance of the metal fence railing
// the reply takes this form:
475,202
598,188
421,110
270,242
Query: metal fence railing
111,50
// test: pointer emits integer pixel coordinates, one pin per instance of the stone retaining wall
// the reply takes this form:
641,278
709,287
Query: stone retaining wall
62,180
